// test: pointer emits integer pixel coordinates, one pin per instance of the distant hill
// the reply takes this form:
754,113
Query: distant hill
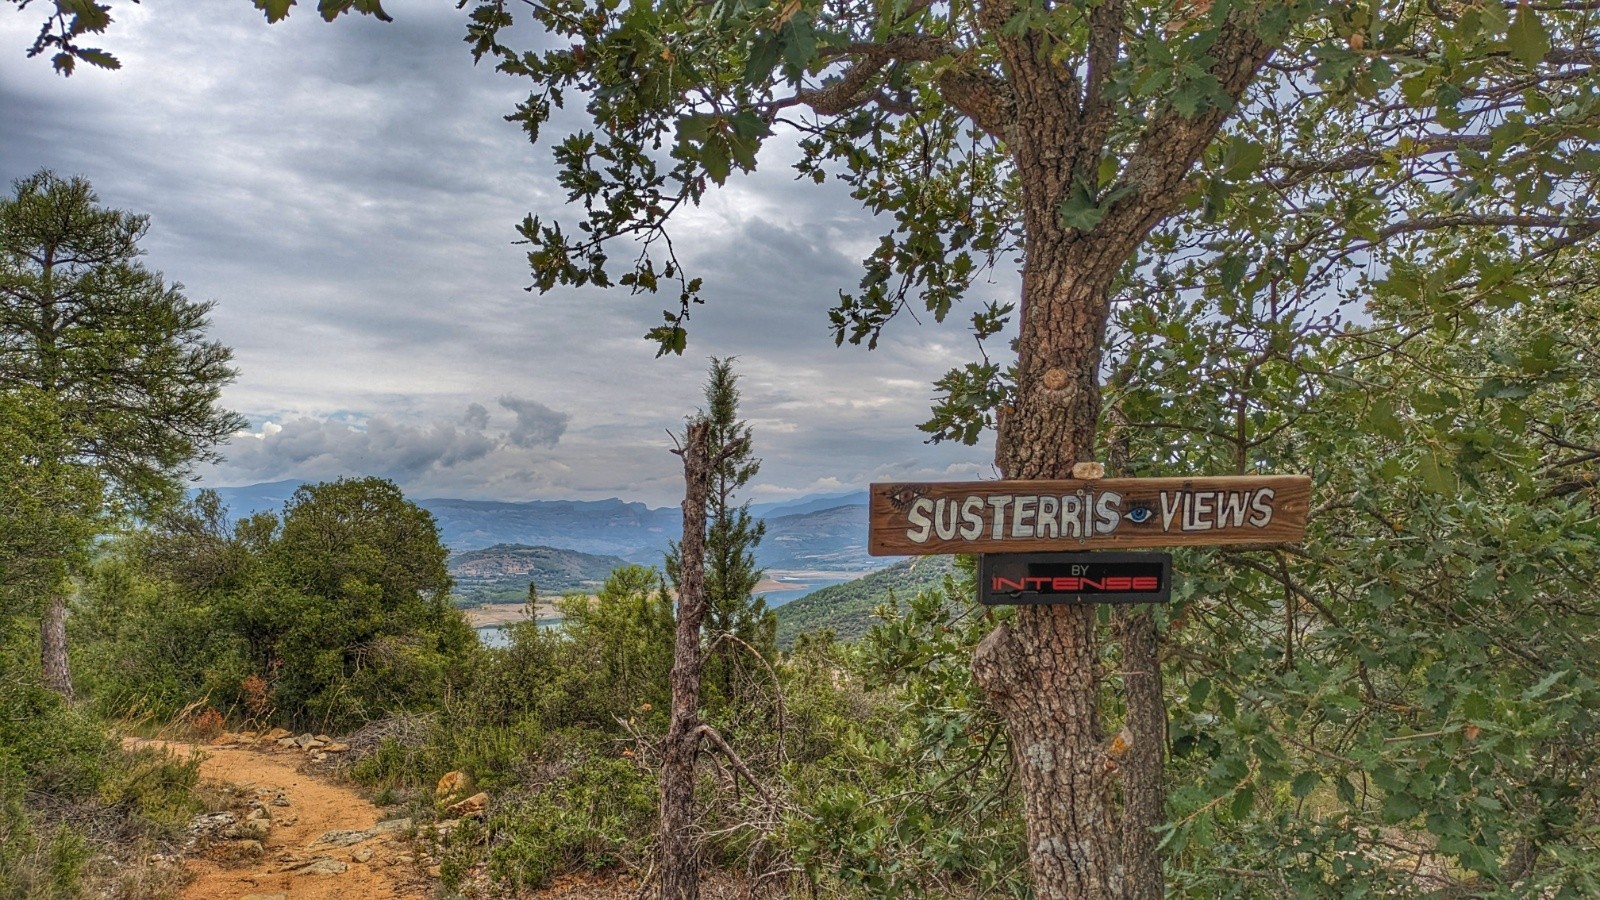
500,574
830,539
847,608
827,533
613,527
807,504
243,502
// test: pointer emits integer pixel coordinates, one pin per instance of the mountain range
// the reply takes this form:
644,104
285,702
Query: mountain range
822,532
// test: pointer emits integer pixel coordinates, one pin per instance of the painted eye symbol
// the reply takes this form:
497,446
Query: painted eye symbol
1139,515
901,497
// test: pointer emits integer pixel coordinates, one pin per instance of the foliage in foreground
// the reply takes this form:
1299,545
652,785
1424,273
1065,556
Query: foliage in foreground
1408,702
337,614
74,807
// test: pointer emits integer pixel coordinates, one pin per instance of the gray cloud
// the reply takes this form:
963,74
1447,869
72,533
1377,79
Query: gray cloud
347,194
306,447
537,425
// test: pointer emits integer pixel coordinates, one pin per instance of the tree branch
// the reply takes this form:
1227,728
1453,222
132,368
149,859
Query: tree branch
1299,170
1171,142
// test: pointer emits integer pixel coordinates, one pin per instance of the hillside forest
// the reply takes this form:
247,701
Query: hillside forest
1351,241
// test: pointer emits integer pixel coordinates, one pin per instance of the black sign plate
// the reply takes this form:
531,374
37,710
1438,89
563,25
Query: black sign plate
1101,577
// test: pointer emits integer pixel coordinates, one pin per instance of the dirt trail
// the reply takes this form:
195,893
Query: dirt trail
324,840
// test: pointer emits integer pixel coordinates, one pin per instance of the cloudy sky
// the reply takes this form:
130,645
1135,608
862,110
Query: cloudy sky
347,194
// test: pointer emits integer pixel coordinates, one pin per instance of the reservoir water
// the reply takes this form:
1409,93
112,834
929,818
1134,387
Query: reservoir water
497,636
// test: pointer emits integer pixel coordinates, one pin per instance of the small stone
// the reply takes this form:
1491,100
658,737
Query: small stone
227,737
453,784
323,866
288,743
405,859
362,854
210,824
341,838
336,748
390,825
250,848
277,734
433,871
318,755
324,738
280,800
1088,471
258,813
476,805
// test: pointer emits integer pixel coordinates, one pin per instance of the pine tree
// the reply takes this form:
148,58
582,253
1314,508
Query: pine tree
117,354
737,620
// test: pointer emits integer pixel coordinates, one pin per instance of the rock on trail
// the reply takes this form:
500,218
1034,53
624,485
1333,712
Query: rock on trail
317,841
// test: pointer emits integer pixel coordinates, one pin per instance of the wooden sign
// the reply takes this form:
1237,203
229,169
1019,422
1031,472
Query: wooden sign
1099,577
1106,513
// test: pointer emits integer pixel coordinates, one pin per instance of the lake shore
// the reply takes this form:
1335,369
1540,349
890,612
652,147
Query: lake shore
497,614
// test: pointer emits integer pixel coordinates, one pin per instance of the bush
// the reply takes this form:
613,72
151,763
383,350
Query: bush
336,616
145,645
589,813
56,749
70,794
33,865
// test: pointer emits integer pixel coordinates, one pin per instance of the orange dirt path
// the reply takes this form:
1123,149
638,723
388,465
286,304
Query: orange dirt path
374,868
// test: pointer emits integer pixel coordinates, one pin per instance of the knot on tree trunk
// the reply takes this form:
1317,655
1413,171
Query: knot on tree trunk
996,667
1055,388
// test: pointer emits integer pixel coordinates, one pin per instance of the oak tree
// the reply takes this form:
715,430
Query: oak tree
1092,138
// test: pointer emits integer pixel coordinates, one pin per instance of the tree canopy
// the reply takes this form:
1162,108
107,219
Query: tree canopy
112,358
119,353
1264,163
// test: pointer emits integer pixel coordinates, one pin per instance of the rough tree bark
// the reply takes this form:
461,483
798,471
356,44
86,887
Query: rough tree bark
1041,672
1144,797
53,647
680,865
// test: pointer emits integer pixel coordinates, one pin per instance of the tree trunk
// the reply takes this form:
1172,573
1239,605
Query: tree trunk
1042,671
1144,799
680,866
53,647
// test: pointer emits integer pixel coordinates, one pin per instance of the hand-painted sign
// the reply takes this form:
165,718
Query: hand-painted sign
1101,577
1107,513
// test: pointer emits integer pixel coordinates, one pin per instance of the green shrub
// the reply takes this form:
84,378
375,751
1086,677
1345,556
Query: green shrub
56,748
145,645
56,756
337,615
591,813
154,785
34,866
